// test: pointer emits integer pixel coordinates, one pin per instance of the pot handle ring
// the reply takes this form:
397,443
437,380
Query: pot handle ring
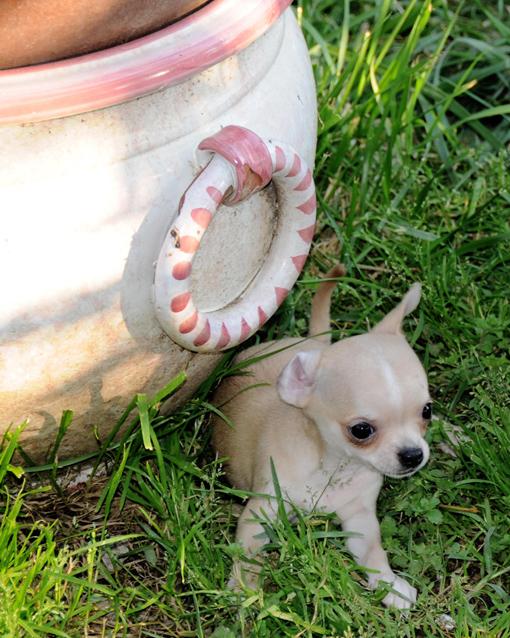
242,163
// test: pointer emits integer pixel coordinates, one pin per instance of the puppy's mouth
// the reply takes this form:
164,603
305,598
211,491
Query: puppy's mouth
397,470
403,473
406,473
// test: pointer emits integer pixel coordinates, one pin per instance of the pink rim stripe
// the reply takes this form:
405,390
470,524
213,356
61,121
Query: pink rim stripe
202,216
180,302
299,261
181,270
306,234
121,73
246,331
296,166
309,206
203,337
224,339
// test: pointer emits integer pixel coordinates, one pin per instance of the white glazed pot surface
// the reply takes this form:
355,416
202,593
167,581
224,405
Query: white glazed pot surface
88,201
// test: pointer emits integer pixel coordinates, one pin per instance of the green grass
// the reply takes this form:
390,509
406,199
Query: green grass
413,183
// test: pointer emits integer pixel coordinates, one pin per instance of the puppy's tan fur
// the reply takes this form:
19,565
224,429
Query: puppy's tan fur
298,409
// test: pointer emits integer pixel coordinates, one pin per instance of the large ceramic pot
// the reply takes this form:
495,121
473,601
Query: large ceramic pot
157,207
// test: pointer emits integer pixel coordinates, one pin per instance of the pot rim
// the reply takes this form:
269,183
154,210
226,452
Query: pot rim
144,65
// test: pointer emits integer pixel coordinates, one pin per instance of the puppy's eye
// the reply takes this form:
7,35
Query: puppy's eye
362,430
427,412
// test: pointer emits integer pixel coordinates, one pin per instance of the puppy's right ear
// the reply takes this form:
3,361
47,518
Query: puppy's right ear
297,380
392,322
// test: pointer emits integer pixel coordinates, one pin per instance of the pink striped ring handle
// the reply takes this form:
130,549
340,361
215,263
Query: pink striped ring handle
242,163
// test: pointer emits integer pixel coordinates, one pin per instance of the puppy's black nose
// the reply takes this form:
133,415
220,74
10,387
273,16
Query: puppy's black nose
411,457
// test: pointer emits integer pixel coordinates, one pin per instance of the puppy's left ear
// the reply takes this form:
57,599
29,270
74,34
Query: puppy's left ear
392,322
297,380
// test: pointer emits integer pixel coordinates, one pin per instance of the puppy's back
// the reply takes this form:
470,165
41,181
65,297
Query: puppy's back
251,404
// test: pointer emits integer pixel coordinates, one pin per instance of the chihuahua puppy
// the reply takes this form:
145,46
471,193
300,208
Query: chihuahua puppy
333,420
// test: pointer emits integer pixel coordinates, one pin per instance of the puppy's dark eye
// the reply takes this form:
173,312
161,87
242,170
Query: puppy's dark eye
427,412
362,430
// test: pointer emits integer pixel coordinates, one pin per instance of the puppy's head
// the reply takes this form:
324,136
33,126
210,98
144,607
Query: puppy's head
367,394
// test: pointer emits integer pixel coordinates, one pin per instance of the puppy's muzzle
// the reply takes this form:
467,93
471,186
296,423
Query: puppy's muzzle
410,457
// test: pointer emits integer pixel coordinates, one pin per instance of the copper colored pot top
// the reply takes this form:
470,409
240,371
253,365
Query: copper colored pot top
35,31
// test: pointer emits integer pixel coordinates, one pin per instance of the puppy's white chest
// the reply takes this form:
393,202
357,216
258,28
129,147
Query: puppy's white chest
330,488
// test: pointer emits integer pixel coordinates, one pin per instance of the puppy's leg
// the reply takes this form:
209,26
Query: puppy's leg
366,548
251,536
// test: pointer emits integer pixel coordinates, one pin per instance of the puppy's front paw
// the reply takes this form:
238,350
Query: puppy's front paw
403,595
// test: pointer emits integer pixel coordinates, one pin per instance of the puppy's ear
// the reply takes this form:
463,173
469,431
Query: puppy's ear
392,322
297,380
